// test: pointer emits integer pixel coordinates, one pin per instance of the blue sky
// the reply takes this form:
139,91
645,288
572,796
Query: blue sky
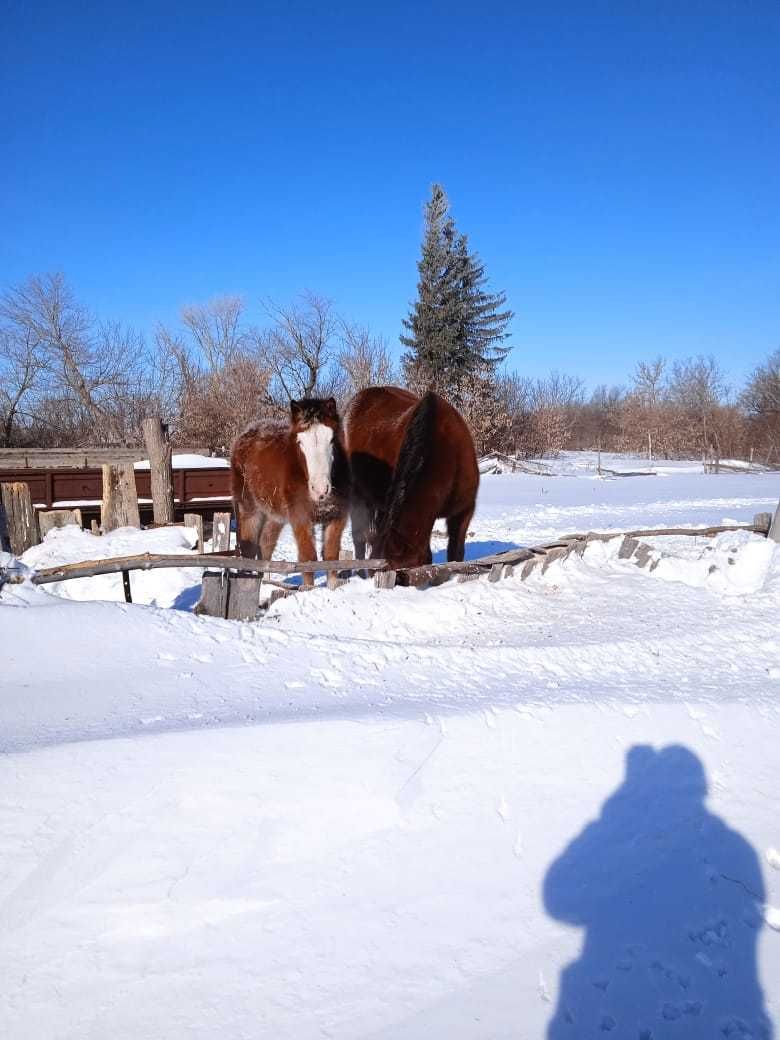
617,165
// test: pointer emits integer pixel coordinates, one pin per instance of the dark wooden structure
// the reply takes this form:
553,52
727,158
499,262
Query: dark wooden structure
202,490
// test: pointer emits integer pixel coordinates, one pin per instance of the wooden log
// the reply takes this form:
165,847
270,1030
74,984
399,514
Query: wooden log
384,579
774,527
50,518
278,594
346,554
528,568
643,554
158,447
762,522
213,594
195,520
120,500
496,572
649,532
220,532
558,553
94,526
156,561
628,547
243,597
18,522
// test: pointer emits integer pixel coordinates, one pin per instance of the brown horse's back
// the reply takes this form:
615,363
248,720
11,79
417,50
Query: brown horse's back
412,460
260,463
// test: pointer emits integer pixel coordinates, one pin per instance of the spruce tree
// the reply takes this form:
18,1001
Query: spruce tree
455,327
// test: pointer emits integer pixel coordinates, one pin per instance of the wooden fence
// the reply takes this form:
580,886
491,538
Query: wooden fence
231,584
196,488
78,458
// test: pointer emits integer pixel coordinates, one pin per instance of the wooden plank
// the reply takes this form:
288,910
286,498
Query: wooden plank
220,532
195,520
158,446
120,500
50,518
19,523
89,458
243,597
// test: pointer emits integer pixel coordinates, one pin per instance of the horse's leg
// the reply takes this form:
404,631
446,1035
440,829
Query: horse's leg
361,526
457,527
270,536
331,541
250,521
307,549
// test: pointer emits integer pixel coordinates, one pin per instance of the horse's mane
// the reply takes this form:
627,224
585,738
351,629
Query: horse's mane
411,460
265,428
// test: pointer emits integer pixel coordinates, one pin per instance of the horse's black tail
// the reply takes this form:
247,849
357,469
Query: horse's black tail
410,464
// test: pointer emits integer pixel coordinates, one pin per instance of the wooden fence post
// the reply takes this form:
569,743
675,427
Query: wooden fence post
120,499
774,528
220,532
195,520
243,597
58,518
384,579
158,446
18,522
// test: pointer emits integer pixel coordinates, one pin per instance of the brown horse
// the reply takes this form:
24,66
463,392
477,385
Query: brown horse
412,460
295,474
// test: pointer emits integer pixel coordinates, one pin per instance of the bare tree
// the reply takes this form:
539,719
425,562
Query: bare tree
540,413
650,383
299,347
698,387
215,329
363,358
761,402
21,364
78,361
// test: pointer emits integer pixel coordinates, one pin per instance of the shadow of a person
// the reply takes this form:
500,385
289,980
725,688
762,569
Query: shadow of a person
671,902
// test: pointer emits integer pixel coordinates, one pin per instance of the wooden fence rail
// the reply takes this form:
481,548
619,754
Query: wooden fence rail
245,572
156,561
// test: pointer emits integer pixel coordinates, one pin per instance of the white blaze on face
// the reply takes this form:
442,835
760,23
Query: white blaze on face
317,447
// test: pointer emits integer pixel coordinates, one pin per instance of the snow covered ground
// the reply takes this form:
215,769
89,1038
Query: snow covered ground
546,808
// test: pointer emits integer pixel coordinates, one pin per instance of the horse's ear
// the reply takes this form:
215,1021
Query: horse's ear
295,410
331,408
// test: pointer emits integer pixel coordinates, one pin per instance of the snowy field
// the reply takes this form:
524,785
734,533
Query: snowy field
526,810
